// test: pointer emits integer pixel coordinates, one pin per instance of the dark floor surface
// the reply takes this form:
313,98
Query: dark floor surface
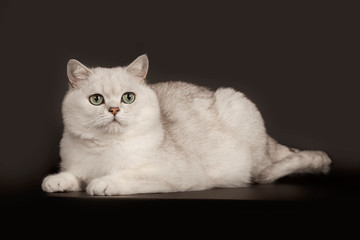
314,195
316,205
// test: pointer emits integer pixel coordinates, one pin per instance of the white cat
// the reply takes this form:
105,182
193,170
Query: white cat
124,136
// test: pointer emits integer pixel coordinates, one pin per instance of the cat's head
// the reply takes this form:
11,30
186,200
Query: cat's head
109,101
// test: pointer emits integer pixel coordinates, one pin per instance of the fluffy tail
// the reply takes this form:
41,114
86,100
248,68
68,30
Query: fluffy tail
286,160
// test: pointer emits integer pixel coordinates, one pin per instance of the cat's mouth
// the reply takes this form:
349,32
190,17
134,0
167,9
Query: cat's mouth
114,121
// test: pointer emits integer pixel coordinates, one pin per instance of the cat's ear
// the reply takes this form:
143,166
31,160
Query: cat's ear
139,67
77,72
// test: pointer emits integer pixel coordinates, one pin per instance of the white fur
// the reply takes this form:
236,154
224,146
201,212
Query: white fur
175,136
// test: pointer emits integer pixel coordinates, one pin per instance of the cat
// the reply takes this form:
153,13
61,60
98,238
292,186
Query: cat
124,136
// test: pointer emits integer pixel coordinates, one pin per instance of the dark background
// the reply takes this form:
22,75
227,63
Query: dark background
299,62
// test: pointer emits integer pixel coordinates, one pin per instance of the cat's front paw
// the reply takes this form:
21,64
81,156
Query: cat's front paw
105,186
61,182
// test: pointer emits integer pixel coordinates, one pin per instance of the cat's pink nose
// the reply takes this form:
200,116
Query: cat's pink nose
114,110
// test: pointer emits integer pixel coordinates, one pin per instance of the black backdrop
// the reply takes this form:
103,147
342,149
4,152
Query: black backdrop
298,62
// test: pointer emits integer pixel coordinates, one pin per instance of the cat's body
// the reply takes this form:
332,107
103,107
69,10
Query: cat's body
174,136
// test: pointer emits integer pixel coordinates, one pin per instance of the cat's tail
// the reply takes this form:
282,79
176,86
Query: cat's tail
286,160
278,151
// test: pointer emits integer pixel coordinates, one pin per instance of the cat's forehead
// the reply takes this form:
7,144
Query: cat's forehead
111,81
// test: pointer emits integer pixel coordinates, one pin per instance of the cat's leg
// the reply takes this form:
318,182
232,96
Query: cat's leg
298,162
61,182
130,182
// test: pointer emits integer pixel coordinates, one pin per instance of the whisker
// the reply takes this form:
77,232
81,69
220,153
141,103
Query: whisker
97,121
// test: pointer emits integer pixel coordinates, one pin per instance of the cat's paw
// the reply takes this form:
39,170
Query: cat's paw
61,182
105,186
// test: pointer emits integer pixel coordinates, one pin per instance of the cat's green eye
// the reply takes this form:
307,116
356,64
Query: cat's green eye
128,97
96,99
